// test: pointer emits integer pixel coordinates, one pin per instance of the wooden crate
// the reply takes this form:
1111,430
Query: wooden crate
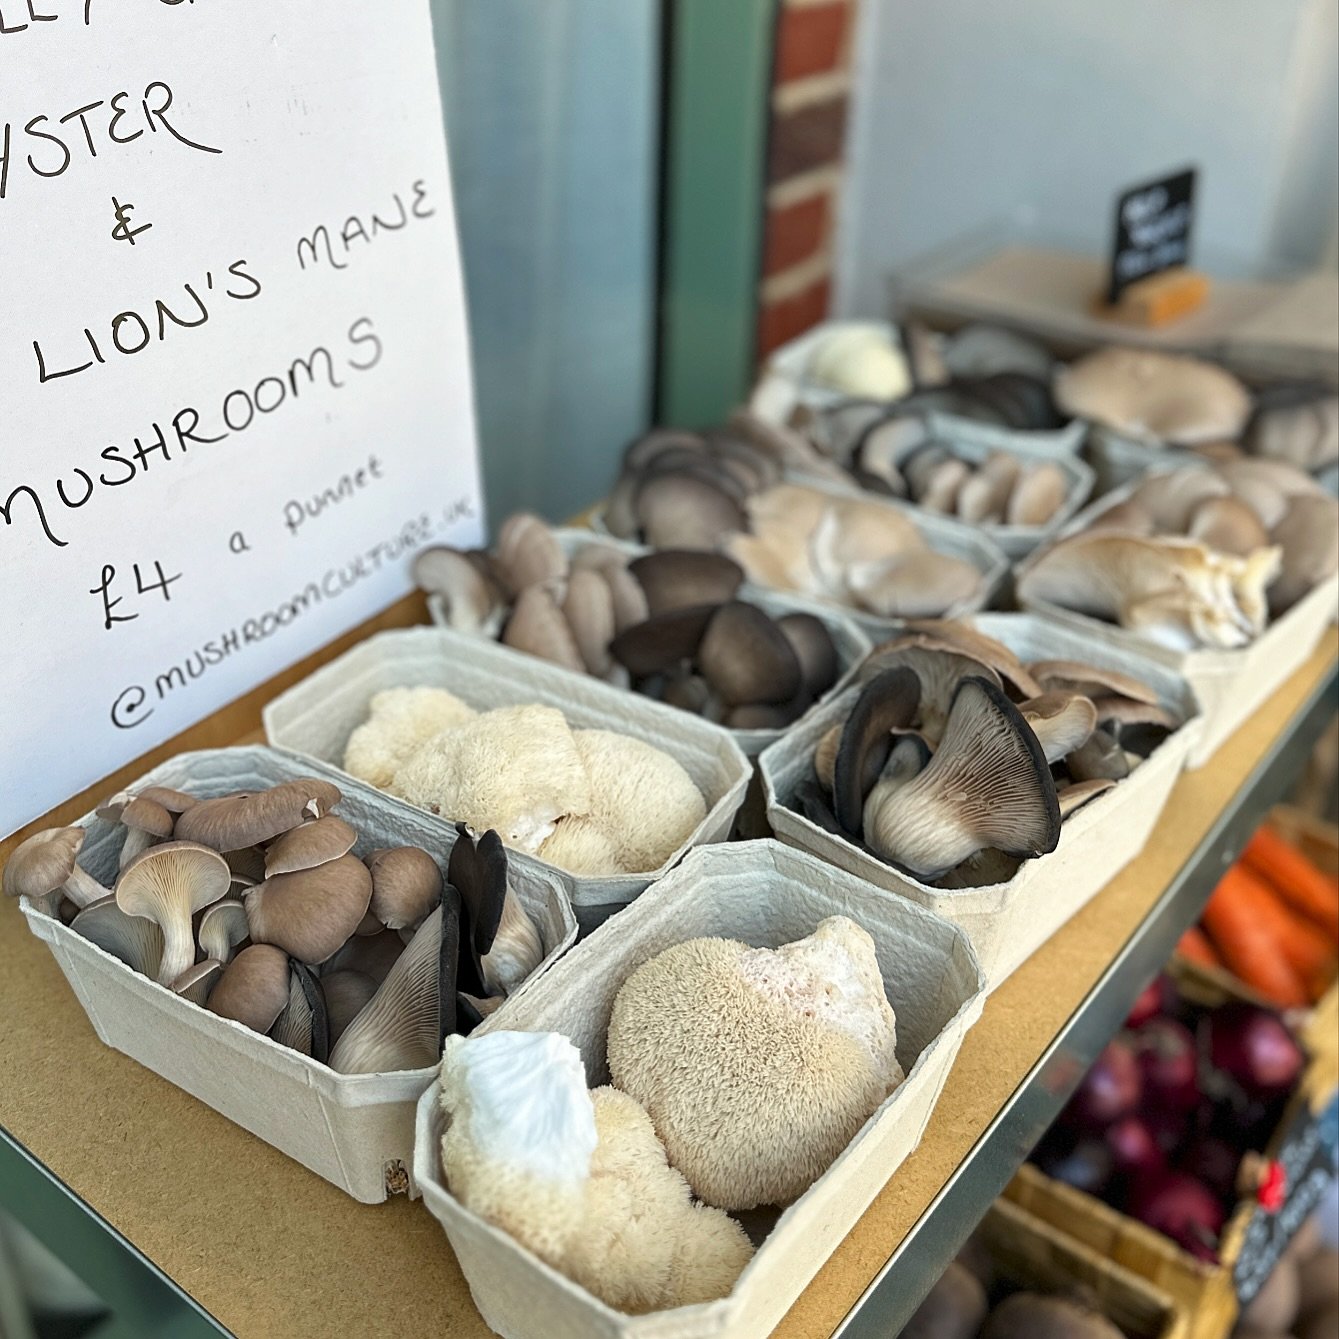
1028,1252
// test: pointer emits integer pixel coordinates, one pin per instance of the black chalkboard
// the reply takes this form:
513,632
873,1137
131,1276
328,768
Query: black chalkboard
1153,225
1309,1156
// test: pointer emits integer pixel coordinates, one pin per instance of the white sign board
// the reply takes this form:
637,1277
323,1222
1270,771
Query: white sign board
234,379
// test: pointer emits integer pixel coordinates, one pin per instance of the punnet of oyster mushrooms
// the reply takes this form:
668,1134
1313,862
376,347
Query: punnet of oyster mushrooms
1201,556
957,762
594,802
671,625
254,906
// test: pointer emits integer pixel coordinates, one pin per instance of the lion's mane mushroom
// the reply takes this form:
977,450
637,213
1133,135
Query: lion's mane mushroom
135,940
988,785
310,913
515,769
805,1033
582,846
253,989
45,866
399,721
641,796
168,884
579,1178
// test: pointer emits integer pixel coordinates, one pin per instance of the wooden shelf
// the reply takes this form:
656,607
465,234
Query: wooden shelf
170,1211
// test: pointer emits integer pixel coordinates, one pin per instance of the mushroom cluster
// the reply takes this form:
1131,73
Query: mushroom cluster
957,762
1202,556
666,624
579,1177
593,802
253,906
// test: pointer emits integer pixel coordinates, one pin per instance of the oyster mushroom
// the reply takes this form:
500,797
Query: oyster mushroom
168,884
527,553
470,601
1093,681
882,445
588,608
909,755
504,945
684,578
944,485
346,994
959,635
197,982
174,801
1100,759
44,866
253,989
303,1024
538,627
689,511
984,497
145,821
988,785
663,642
310,913
1308,534
1072,798
372,956
1301,428
860,361
1228,525
234,821
1171,499
625,591
222,929
746,658
1062,722
887,702
938,667
914,585
309,844
814,648
1037,496
134,940
406,885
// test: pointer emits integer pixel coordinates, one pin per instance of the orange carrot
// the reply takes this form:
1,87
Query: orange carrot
1195,946
1302,943
1307,890
1246,948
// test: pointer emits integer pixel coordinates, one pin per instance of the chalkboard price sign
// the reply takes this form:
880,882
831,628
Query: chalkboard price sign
1153,226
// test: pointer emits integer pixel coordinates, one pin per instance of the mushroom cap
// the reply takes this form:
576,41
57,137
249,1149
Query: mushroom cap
641,796
346,993
1308,534
943,485
527,553
197,983
687,510
920,584
172,877
682,578
1171,499
642,451
399,721
662,641
311,843
860,360
174,801
988,785
253,989
1164,397
234,821
805,1034
134,940
477,870
310,913
222,927
1228,525
984,498
538,627
406,885
961,636
40,864
1038,495
1100,759
515,769
1061,721
588,608
629,599
812,643
939,667
1094,681
146,815
471,599
1074,797
1302,429
746,658
887,702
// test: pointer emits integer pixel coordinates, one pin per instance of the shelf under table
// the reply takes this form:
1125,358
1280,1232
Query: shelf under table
175,1215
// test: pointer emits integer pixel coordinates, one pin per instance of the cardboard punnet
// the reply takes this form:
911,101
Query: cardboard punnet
851,643
1229,685
355,1130
316,717
1007,922
767,895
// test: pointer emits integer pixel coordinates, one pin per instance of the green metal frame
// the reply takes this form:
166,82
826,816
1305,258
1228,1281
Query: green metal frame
718,69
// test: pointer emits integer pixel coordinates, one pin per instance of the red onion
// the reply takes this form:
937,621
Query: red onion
1110,1089
1167,1062
1133,1148
1252,1046
1214,1161
1157,997
1183,1209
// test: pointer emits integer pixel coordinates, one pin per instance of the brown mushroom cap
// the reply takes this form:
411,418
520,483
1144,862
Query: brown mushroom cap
966,640
221,929
625,590
746,658
406,885
1038,495
169,884
887,702
812,643
683,510
253,989
538,627
148,816
308,844
468,595
1228,525
527,553
588,608
1094,681
46,863
684,578
918,584
662,641
311,912
234,821
174,801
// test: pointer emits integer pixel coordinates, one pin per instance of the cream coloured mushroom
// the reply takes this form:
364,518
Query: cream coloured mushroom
45,866
860,361
1062,722
538,627
399,721
168,884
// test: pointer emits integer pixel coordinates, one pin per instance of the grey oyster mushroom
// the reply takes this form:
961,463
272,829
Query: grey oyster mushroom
1061,721
314,842
500,944
888,701
310,913
168,884
44,868
588,608
197,983
1101,758
1073,797
222,929
684,578
473,603
988,785
538,627
406,885
234,821
145,820
134,940
369,955
746,658
346,994
527,554
939,666
303,1025
253,989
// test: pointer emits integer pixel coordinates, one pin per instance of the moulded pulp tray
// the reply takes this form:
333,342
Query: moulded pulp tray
851,643
1230,685
316,717
767,895
352,1129
1007,922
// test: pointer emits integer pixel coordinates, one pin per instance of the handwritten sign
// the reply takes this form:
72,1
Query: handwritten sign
1153,227
1309,1157
235,394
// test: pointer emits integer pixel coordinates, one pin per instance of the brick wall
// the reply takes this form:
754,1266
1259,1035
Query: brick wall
811,80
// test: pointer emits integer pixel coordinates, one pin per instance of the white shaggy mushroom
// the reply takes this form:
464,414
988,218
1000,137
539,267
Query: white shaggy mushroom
399,721
800,1050
515,769
581,846
640,796
579,1178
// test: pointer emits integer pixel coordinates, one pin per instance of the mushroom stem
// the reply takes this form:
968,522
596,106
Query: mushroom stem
82,888
178,949
137,840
